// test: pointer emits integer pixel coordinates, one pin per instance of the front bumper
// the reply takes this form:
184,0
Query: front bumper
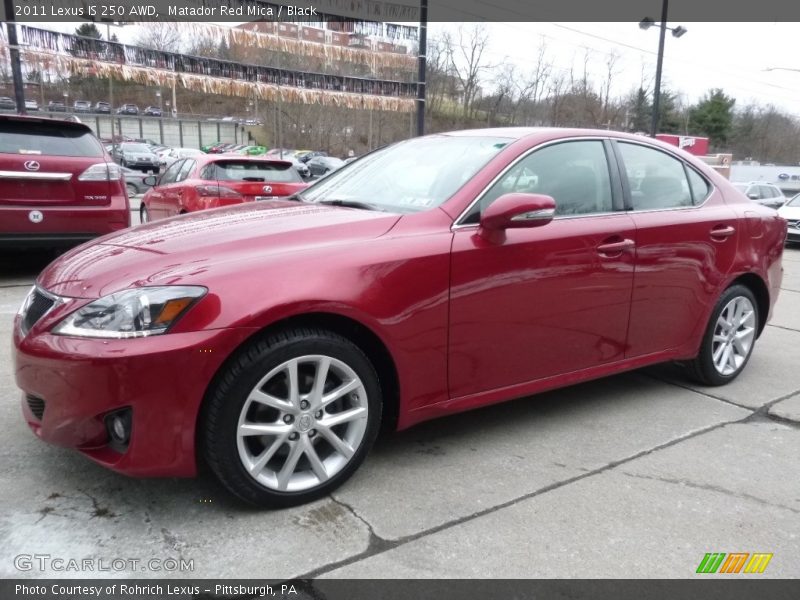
793,235
161,378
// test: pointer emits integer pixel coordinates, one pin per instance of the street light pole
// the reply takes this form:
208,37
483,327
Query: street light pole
421,60
677,32
662,34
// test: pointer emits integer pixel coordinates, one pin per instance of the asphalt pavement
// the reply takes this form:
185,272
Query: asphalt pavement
638,475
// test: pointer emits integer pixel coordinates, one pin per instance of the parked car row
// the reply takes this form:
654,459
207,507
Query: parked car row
81,106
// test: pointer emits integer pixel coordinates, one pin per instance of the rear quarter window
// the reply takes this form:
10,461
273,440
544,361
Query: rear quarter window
47,139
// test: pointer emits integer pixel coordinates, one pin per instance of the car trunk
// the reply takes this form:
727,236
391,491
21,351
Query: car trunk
41,163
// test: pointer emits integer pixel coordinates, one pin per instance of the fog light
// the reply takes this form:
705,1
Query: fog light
118,425
118,429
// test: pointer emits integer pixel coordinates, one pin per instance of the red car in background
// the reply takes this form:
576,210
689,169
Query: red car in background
201,182
432,276
58,185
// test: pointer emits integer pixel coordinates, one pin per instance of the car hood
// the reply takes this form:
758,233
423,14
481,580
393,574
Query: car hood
789,212
193,249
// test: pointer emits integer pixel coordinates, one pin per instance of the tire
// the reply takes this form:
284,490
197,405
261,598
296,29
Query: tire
711,367
302,452
144,215
132,191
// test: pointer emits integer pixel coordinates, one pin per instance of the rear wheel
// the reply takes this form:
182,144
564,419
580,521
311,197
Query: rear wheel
144,216
291,418
729,338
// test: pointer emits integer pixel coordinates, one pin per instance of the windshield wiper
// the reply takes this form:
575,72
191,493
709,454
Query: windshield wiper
350,204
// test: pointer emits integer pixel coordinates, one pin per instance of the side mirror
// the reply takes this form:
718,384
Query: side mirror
515,210
150,180
752,196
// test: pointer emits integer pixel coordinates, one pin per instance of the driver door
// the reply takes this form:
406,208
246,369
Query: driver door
547,300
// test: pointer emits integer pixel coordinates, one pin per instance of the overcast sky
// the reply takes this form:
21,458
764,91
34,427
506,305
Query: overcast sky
733,56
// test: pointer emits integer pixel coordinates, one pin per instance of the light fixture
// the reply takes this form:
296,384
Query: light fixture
678,31
646,23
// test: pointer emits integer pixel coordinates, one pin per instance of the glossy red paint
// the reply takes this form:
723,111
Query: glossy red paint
466,321
44,201
195,191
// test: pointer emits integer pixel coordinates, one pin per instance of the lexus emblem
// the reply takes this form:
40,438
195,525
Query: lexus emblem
267,189
35,216
32,165
304,423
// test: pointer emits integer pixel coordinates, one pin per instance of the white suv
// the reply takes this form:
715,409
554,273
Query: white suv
766,194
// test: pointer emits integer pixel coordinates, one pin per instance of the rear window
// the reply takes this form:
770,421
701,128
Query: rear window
49,139
233,170
136,148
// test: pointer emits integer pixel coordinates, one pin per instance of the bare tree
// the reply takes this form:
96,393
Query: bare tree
160,35
468,63
609,115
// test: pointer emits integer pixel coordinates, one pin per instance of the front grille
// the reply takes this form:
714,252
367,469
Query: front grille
37,308
36,405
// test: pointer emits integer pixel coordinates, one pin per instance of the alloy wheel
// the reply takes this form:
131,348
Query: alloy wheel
734,334
302,423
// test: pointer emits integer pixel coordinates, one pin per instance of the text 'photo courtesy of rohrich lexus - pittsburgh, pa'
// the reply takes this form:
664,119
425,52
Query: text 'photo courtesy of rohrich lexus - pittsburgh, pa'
272,340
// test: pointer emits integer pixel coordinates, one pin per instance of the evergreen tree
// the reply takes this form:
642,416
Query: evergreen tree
713,117
89,30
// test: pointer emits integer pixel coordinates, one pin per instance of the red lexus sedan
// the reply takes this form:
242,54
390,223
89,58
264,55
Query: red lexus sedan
210,181
58,185
439,274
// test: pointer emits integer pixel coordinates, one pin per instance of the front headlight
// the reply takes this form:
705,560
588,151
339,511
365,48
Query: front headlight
139,312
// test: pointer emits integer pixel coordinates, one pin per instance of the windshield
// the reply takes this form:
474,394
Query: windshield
136,148
794,201
409,176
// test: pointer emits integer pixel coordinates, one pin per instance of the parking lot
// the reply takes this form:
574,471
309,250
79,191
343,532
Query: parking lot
638,475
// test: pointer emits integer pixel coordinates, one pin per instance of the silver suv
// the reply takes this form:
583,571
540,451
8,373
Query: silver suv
766,194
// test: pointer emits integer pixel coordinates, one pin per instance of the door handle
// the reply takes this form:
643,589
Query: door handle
722,232
615,248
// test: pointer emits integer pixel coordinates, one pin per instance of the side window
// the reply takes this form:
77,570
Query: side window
700,187
188,165
657,179
209,171
575,174
171,173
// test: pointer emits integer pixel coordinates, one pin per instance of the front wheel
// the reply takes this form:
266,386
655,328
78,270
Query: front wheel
291,418
729,338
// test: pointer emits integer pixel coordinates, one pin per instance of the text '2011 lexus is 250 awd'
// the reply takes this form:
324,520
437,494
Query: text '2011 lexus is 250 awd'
272,340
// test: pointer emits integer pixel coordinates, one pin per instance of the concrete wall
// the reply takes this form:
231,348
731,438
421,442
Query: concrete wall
184,133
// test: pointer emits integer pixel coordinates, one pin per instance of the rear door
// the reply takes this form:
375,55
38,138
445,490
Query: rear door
685,247
42,163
